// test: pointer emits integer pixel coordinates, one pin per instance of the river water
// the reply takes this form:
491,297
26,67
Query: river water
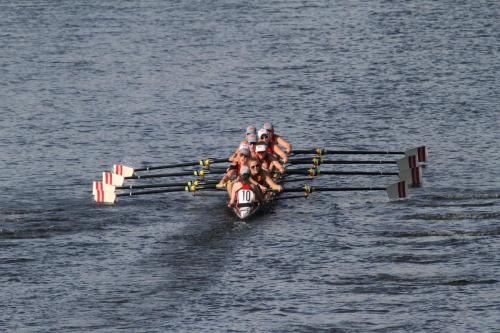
85,84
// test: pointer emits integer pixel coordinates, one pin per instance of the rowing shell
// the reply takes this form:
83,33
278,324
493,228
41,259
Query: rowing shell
247,206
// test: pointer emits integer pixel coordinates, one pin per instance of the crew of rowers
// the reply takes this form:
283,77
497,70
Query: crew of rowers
257,158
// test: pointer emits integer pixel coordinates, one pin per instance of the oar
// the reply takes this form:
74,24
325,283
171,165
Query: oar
114,179
100,186
404,163
128,171
108,195
397,190
319,161
412,176
420,152
316,172
111,197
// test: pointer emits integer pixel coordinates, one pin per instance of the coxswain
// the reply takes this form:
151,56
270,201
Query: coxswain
275,139
268,161
243,183
262,178
274,149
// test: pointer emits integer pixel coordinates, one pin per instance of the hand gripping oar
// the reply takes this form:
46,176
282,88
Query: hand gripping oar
397,190
420,152
128,171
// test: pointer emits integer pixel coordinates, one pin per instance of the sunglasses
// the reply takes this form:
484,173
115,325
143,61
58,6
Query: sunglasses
264,136
254,166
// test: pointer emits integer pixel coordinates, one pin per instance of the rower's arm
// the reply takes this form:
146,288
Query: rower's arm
285,144
278,166
275,163
277,150
272,184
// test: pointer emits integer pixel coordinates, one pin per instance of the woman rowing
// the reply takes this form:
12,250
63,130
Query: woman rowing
243,183
275,139
267,160
234,169
250,139
263,134
261,178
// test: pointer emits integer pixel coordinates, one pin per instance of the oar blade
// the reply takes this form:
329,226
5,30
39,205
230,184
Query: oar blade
397,190
103,197
100,186
407,162
412,176
112,178
420,152
123,170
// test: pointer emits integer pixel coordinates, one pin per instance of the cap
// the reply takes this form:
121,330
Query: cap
262,132
268,126
251,130
252,138
261,147
244,151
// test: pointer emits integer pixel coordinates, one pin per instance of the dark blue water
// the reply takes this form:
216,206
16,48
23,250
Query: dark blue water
88,84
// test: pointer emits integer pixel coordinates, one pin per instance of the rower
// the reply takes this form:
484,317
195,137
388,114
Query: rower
267,160
262,178
250,131
263,135
243,183
234,168
252,143
275,139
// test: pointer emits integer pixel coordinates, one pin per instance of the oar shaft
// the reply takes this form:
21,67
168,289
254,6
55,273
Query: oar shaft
335,189
158,167
310,160
136,187
358,173
347,152
160,175
341,173
180,165
167,190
